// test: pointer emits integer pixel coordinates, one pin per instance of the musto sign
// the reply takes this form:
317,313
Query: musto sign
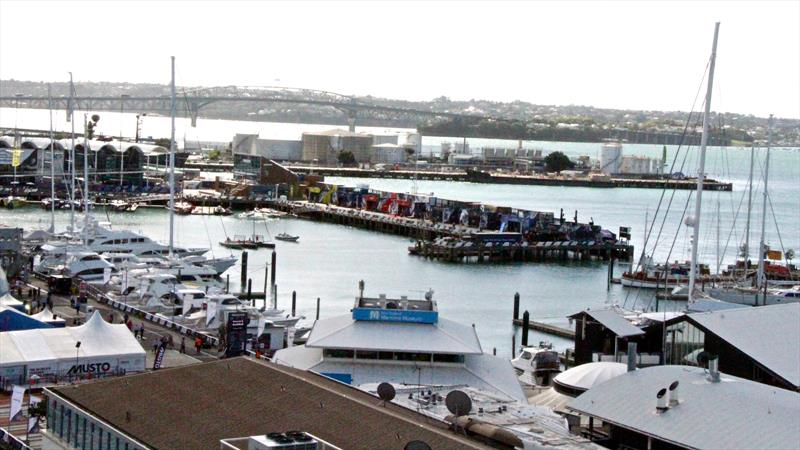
78,369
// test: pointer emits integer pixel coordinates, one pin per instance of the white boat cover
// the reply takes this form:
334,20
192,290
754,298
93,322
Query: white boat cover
53,350
588,375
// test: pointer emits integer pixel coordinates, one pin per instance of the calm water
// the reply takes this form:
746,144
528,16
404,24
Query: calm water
330,259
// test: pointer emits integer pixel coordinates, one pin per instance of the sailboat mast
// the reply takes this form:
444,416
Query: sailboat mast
85,180
746,255
760,280
52,163
719,260
172,162
702,167
72,154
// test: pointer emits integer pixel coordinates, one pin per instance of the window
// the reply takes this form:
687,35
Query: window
415,357
365,354
336,353
444,358
526,355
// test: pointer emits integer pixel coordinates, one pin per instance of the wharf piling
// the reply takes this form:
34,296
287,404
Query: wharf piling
525,326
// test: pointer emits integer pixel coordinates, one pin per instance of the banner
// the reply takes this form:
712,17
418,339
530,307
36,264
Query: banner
33,421
106,275
159,356
187,303
211,312
16,158
15,411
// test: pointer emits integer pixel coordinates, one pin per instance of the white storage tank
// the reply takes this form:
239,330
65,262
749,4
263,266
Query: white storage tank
610,157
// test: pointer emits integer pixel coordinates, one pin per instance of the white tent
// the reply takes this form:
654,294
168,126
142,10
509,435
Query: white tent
52,353
7,300
47,316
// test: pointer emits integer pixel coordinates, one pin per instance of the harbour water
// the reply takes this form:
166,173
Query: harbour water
330,259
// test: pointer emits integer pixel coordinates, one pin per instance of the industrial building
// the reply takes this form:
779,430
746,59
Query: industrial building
274,149
324,147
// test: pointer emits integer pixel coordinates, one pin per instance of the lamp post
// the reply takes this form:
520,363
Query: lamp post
77,350
121,121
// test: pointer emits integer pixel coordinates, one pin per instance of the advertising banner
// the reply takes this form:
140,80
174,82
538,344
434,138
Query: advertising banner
15,410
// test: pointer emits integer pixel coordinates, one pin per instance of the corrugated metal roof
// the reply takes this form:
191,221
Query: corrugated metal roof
732,414
613,321
345,333
768,334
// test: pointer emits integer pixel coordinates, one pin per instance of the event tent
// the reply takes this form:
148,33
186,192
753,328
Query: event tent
53,354
13,320
46,315
9,301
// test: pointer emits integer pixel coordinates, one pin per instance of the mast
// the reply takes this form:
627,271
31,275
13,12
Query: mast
72,154
85,179
719,261
761,280
52,163
746,255
172,161
701,168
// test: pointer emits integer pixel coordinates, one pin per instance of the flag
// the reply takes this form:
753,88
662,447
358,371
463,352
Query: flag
33,421
16,158
15,410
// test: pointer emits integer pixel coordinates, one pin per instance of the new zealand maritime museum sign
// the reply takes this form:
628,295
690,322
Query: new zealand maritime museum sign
395,315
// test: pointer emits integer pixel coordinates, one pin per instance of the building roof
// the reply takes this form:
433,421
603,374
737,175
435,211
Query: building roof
733,414
445,336
612,320
769,335
246,397
336,132
589,375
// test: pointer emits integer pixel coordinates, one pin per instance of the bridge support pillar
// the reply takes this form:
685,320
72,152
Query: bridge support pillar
351,120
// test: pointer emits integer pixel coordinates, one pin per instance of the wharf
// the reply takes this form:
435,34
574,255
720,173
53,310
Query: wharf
535,180
546,328
459,250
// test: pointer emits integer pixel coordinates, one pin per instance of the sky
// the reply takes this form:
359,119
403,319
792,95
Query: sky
626,55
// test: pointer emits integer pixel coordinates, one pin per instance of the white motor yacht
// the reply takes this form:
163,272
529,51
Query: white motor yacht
102,239
536,366
86,265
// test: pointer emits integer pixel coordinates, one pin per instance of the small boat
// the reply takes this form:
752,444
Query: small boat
120,205
211,211
286,237
183,208
238,243
12,202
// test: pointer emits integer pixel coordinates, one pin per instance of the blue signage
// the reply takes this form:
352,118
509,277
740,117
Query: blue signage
342,377
395,315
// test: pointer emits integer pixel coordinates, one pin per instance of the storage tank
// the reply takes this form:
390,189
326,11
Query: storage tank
610,157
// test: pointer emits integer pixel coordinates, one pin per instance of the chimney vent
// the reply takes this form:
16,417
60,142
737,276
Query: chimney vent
631,356
673,394
713,369
661,400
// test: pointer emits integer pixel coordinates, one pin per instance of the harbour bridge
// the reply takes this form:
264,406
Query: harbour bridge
191,101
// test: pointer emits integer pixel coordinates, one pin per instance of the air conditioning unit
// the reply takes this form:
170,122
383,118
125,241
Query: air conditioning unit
290,440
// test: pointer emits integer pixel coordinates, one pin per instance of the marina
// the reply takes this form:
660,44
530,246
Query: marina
342,288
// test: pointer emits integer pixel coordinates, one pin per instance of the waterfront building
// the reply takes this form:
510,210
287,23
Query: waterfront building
387,153
10,249
232,398
674,407
96,349
756,343
275,149
324,147
405,342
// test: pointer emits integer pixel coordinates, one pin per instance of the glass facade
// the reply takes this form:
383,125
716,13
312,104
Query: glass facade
393,356
80,431
683,342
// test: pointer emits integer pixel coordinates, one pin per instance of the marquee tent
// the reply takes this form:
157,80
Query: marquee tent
9,301
13,320
46,315
53,355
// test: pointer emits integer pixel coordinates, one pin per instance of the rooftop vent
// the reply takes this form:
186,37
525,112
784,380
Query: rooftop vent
673,394
661,400
713,369
290,440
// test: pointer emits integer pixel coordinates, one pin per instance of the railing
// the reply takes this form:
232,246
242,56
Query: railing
8,439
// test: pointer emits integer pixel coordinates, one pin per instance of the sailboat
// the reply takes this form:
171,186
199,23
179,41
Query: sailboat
759,292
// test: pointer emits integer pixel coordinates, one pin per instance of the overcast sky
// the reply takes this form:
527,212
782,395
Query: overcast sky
634,55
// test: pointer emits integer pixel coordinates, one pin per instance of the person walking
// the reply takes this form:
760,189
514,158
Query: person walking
183,344
197,344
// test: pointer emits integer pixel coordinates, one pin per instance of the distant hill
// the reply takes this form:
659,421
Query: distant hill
583,122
